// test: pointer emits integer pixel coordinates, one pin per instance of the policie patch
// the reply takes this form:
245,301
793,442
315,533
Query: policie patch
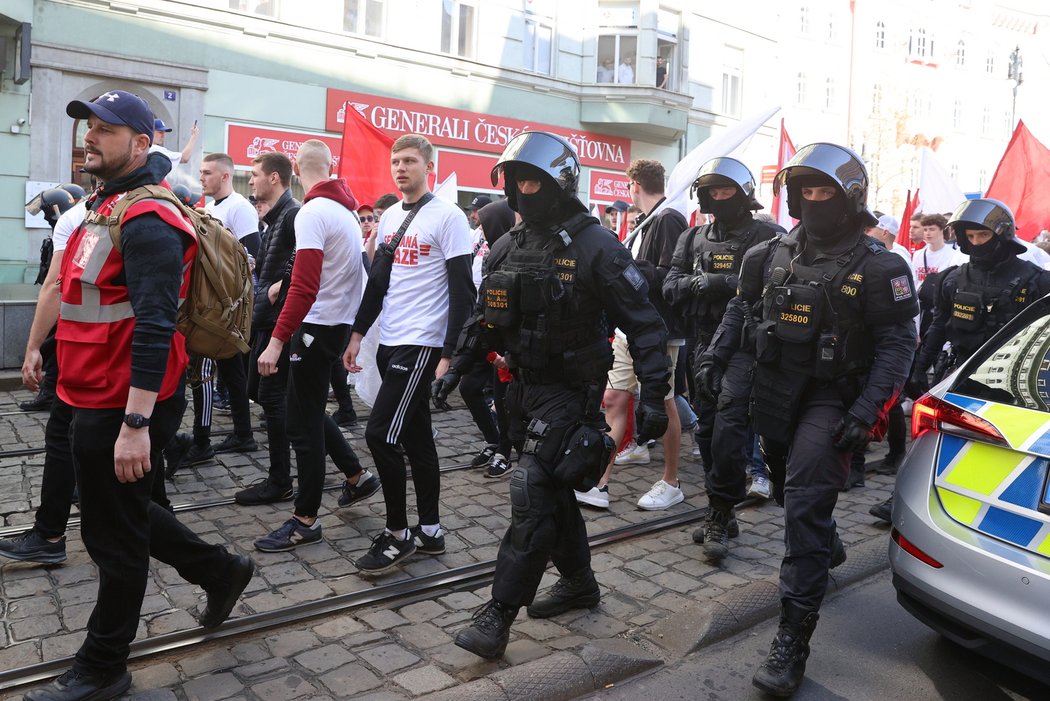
901,288
634,276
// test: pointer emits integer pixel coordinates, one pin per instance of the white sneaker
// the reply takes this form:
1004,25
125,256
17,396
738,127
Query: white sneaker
594,497
633,455
760,487
661,496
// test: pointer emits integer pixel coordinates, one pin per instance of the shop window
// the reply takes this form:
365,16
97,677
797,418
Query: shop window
458,28
538,46
363,17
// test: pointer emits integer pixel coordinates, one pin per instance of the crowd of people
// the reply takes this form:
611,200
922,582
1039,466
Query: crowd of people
782,353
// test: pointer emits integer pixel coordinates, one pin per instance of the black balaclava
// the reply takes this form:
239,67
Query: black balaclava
730,212
541,207
989,254
825,222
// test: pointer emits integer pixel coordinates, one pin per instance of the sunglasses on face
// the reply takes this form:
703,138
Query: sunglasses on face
369,217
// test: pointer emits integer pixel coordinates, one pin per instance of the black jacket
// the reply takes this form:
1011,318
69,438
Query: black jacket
276,249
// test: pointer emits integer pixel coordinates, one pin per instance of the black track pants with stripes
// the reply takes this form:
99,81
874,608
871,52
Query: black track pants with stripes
401,416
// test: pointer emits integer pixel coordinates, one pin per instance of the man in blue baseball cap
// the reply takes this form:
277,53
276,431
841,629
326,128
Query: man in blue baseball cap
123,400
160,132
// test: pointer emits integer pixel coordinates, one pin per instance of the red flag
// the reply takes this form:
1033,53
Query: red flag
784,154
1022,182
622,225
904,235
364,157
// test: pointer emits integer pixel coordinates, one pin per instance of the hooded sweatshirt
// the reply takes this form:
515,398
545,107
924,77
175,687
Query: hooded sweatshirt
328,275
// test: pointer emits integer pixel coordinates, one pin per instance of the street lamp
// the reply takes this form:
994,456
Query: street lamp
1014,73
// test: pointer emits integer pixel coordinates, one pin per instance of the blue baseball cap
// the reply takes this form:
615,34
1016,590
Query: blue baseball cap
159,125
116,107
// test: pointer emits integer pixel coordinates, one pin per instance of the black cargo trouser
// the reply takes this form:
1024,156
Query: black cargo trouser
546,524
722,429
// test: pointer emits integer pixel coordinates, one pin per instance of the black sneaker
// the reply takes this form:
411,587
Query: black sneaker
429,544
263,492
41,402
196,455
367,485
499,466
174,452
386,552
482,459
346,419
33,547
291,534
237,444
220,404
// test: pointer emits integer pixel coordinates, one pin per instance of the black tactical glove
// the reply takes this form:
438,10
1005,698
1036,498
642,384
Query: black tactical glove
699,284
441,388
917,385
650,421
709,379
851,434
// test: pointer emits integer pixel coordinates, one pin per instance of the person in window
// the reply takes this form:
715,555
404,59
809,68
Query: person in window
661,73
626,72
606,71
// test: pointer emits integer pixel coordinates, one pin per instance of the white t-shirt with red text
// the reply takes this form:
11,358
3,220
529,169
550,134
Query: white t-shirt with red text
927,262
415,310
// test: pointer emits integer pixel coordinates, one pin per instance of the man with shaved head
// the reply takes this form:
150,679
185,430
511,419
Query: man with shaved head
314,324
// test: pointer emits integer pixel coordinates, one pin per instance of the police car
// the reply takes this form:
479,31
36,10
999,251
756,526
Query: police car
970,548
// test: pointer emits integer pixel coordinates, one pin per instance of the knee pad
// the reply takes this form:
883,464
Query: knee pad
519,490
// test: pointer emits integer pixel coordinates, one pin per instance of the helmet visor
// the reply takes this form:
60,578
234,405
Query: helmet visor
550,154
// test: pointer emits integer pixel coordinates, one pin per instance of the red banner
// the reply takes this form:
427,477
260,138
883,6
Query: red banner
467,130
246,141
609,187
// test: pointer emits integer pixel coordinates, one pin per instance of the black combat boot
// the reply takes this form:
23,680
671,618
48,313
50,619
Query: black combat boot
716,533
782,672
577,592
487,637
41,402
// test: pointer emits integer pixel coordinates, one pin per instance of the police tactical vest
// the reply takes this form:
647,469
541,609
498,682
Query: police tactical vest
721,258
552,332
980,308
813,318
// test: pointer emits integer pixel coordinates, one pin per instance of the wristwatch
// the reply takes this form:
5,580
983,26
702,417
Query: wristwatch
136,420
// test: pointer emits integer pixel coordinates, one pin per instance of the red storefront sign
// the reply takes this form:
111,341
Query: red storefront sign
609,187
467,130
472,171
246,141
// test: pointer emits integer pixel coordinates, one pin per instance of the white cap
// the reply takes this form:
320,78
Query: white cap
889,224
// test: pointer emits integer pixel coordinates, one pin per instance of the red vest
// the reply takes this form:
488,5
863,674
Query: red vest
96,321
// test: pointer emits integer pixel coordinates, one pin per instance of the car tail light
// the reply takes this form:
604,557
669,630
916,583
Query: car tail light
910,548
932,414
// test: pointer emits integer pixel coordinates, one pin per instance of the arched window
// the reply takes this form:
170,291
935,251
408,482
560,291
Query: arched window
803,25
989,64
800,97
829,93
960,53
880,35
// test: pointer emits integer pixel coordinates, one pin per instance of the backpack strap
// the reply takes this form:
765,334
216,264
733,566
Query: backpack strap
132,197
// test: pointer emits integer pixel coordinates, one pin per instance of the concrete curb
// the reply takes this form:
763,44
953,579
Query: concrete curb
601,663
558,677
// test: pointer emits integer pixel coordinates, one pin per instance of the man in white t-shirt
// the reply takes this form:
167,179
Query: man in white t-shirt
427,302
160,131
936,256
239,216
322,301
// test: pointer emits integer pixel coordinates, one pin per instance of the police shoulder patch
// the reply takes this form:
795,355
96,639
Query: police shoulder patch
634,276
901,287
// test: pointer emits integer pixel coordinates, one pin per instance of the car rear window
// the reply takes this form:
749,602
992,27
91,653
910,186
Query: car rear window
1014,371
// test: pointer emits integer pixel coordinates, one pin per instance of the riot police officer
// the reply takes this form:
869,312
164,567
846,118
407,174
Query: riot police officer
829,311
702,280
977,298
555,287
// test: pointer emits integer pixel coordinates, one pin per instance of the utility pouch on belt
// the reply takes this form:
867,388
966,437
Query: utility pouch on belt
827,356
767,345
796,310
775,399
501,298
968,311
584,454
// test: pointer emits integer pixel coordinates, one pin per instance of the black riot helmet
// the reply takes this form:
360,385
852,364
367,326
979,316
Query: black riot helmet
551,155
838,163
988,214
723,172
184,195
52,204
75,190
